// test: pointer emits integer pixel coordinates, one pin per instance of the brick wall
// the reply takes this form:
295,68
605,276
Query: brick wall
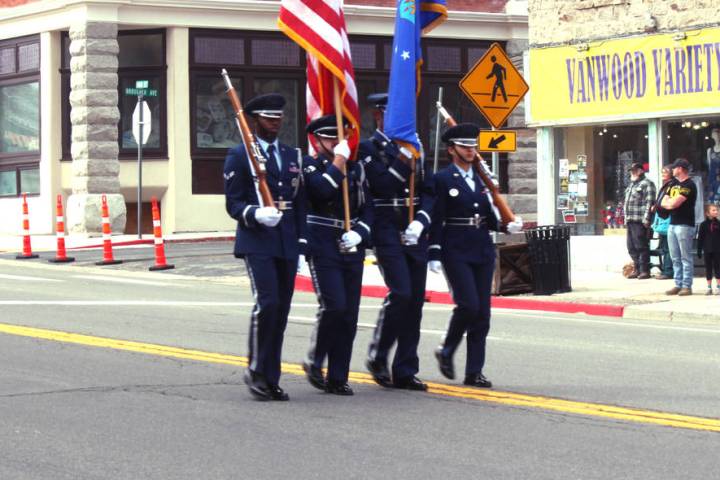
492,6
575,21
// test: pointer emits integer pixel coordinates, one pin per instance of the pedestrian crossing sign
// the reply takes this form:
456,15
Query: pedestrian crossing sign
494,85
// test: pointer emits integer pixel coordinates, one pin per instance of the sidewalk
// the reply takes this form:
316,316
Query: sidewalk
594,292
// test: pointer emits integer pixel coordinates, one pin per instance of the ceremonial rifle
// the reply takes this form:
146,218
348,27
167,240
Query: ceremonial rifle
255,157
506,215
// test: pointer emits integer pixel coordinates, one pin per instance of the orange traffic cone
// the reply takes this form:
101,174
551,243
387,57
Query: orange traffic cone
61,255
27,248
160,261
107,237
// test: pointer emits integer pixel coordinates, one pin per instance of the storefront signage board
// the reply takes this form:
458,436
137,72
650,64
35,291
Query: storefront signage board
495,86
652,75
497,141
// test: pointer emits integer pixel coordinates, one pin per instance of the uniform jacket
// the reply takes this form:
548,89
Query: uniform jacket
709,236
287,239
455,199
323,187
388,177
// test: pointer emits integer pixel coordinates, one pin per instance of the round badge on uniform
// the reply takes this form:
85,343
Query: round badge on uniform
454,192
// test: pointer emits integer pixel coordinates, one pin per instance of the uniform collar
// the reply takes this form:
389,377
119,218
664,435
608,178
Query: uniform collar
264,145
463,173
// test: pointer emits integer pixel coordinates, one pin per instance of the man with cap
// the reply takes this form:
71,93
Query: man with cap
335,256
639,200
460,243
401,250
270,238
680,201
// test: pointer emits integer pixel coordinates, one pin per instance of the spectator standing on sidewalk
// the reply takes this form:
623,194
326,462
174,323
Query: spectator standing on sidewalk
660,225
639,200
709,244
680,200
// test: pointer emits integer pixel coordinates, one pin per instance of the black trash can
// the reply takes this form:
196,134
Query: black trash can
549,248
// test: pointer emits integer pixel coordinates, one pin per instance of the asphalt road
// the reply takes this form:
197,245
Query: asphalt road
89,408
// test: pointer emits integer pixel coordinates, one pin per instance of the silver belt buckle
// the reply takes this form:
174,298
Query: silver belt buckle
477,220
281,204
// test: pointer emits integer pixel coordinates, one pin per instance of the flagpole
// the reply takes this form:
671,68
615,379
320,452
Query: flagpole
341,137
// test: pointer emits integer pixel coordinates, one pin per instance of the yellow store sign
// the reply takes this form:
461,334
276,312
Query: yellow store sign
654,75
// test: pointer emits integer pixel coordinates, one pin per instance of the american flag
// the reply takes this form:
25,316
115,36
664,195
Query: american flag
318,26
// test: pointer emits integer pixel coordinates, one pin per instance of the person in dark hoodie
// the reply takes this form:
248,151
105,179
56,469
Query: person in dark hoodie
709,245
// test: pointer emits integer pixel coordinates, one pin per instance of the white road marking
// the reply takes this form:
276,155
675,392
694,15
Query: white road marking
24,278
101,278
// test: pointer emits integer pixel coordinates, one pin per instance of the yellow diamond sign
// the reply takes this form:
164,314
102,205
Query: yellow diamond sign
494,85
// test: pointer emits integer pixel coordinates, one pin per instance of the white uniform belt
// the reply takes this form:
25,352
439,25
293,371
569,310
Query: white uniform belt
395,202
328,222
476,221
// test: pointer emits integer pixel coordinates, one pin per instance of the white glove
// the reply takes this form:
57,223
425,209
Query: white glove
342,149
412,232
492,205
422,148
435,266
301,263
268,216
515,226
350,239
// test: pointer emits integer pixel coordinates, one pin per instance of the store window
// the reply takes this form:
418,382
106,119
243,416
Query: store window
141,57
592,165
697,140
262,62
19,116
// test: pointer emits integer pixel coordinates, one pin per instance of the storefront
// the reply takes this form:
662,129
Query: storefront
66,121
601,106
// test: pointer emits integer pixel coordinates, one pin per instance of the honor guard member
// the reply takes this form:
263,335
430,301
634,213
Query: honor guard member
335,256
269,238
460,243
401,251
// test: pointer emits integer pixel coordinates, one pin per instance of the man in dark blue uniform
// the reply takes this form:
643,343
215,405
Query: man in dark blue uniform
401,251
270,238
335,256
460,243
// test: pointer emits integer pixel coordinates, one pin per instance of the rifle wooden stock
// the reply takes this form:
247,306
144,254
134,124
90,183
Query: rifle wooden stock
255,156
506,215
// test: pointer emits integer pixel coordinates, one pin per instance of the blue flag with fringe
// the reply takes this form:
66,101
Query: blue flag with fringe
412,20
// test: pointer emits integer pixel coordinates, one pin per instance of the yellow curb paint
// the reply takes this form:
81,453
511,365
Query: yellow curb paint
490,396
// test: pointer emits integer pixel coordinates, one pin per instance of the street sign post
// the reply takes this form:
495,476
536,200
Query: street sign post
497,141
141,127
495,86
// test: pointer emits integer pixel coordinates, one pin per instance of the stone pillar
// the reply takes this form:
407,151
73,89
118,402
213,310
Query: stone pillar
522,164
94,116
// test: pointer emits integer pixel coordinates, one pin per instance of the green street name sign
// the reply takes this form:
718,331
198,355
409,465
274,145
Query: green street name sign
147,92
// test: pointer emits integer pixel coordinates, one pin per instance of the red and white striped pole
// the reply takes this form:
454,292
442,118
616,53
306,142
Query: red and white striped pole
61,255
27,248
160,261
107,237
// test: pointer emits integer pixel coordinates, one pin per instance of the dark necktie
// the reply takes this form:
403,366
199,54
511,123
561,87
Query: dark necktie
271,156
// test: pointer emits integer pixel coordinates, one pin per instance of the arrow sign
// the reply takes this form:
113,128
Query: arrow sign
497,141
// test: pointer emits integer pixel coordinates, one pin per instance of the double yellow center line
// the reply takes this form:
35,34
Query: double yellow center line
491,396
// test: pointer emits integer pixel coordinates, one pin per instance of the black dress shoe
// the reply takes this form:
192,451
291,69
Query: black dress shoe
257,386
477,380
380,373
278,394
445,364
339,388
314,375
410,383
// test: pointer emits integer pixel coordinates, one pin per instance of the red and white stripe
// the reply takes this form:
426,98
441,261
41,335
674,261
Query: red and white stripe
318,26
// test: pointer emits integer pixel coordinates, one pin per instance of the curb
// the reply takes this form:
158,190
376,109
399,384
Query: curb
150,241
304,284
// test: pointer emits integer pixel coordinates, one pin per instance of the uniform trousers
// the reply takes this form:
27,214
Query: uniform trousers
401,313
470,285
273,282
337,283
